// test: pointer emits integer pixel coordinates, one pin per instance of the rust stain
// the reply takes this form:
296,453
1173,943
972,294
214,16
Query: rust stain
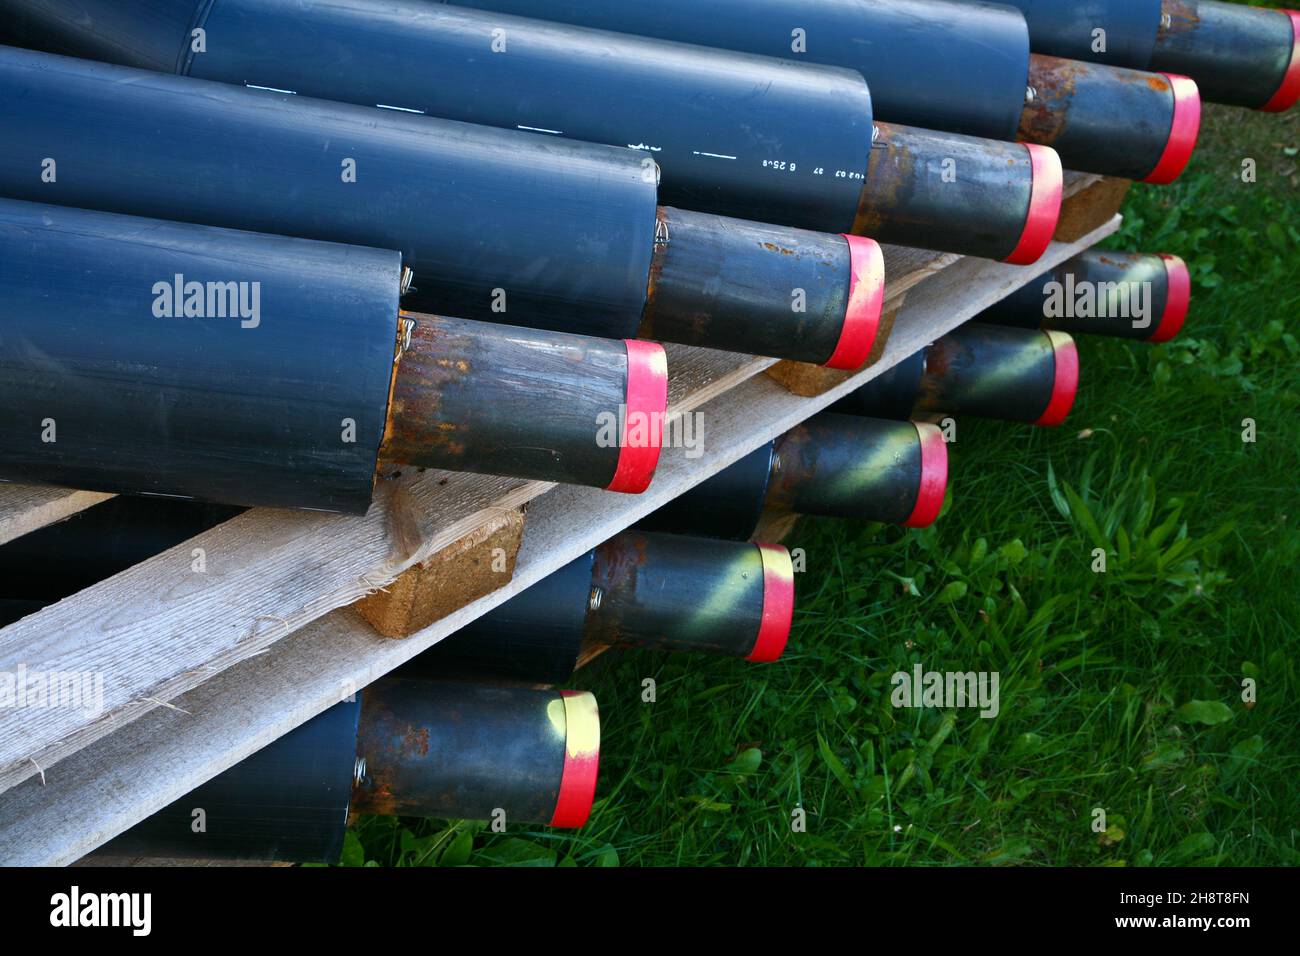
941,358
1184,17
797,453
615,571
377,799
891,169
435,359
392,410
380,736
657,256
619,559
416,742
1045,119
698,322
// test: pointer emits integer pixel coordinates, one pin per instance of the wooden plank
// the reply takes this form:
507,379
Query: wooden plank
245,699
477,564
25,508
159,628
1088,208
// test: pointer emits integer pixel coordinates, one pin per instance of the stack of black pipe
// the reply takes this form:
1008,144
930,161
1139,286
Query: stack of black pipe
269,252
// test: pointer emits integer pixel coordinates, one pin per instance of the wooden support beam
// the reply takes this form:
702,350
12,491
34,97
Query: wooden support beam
464,571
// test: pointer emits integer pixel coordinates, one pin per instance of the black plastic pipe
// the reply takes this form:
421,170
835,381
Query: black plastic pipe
503,226
1238,54
50,563
404,747
151,357
1119,294
1116,32
833,466
287,802
987,371
736,135
933,64
930,63
565,230
538,635
733,134
663,592
729,505
1127,123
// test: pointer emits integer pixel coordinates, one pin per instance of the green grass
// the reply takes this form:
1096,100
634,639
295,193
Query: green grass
1120,691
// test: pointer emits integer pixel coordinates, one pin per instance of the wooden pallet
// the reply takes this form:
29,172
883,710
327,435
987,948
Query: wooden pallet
208,668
